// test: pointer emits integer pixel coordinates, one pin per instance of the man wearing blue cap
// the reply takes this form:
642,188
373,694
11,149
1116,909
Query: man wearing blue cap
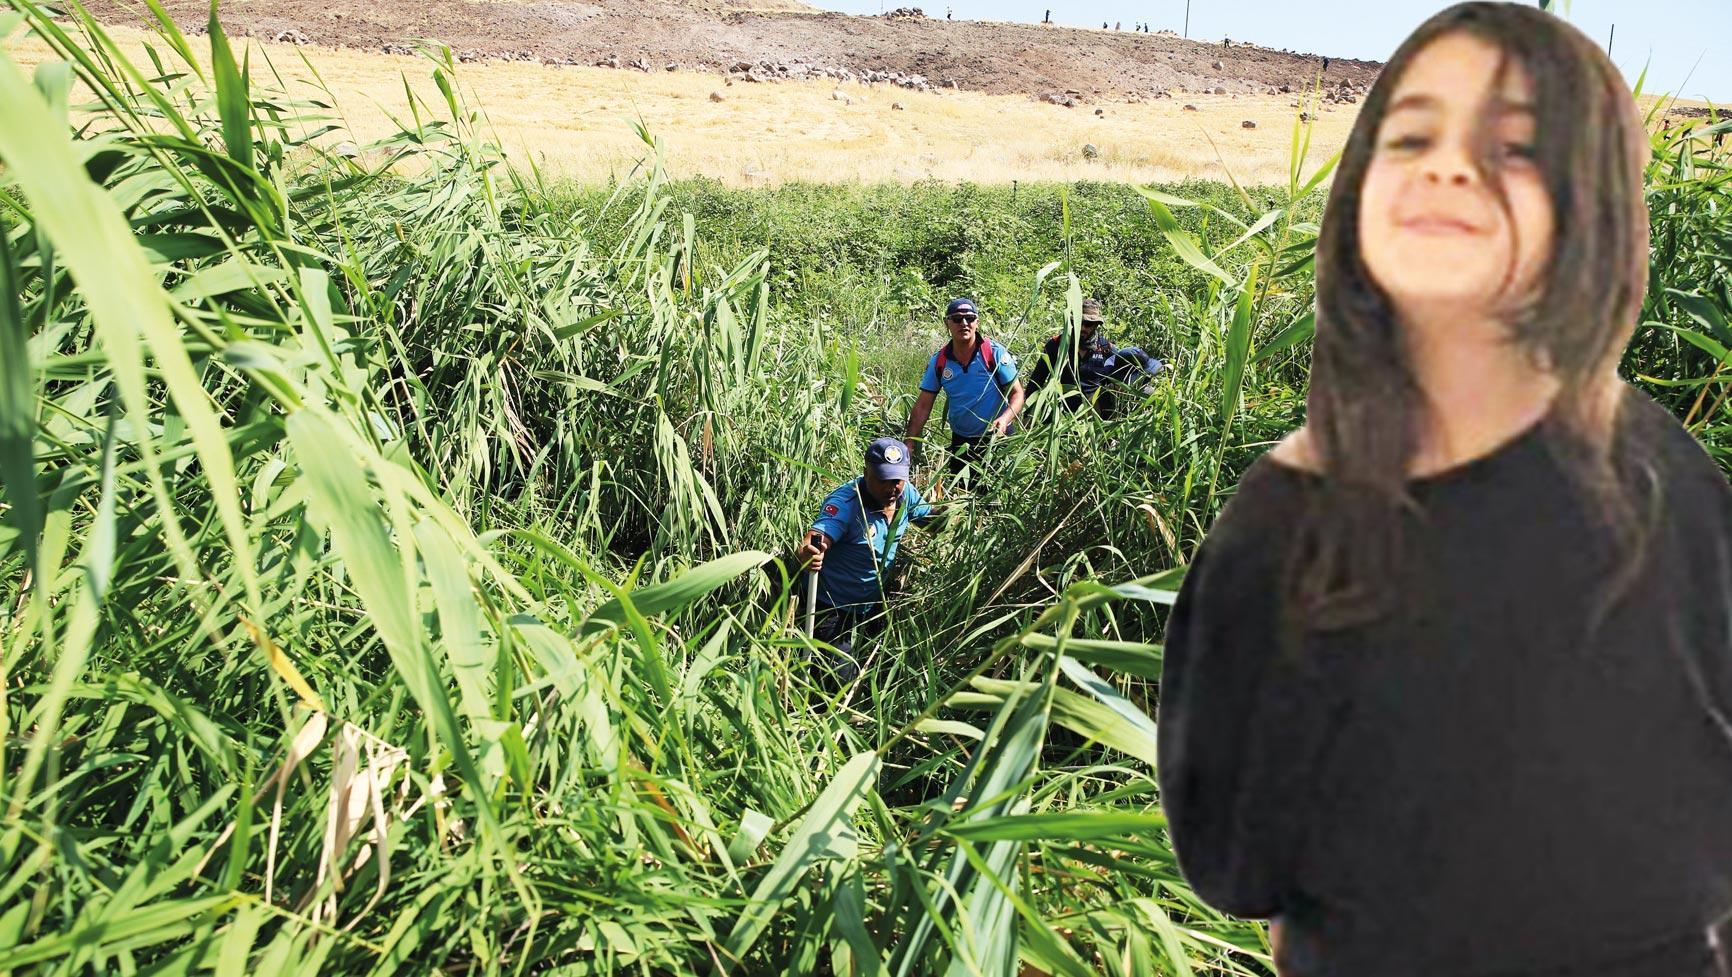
852,547
977,375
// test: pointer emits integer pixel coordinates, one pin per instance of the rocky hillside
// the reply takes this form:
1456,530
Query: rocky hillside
789,41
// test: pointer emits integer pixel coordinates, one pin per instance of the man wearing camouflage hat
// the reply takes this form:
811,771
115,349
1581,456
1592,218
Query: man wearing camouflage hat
1090,373
851,545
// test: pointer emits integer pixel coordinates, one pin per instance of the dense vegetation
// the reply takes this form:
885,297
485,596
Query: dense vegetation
385,547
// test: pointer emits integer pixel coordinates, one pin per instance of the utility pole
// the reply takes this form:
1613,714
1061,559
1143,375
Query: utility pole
1187,18
1609,38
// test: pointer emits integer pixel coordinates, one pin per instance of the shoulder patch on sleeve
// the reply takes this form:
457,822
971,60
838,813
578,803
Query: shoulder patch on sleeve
830,509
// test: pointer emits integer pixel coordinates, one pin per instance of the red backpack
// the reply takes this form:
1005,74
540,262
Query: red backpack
986,357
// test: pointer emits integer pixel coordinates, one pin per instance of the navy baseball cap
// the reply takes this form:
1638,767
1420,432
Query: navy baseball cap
960,305
887,458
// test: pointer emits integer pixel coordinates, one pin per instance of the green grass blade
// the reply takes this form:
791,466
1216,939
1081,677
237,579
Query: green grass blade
1183,242
231,91
124,299
1060,826
17,408
680,592
459,619
819,836
1238,348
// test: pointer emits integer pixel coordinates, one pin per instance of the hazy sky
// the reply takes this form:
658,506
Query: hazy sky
1670,36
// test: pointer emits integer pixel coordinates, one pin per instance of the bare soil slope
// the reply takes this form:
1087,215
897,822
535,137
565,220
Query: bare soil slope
764,40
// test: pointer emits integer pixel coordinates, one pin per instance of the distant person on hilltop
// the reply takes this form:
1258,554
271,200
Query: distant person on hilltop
1445,688
1325,65
1048,18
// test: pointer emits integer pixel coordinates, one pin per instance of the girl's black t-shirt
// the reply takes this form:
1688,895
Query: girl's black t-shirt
1476,785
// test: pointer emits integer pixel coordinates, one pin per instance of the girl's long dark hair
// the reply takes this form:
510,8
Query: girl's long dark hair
1365,408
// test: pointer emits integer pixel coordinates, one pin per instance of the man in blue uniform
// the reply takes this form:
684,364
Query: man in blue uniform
977,375
852,548
1090,373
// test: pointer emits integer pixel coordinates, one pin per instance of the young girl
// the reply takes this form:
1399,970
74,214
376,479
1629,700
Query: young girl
1446,687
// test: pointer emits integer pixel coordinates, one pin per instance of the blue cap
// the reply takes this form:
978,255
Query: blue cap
959,305
887,458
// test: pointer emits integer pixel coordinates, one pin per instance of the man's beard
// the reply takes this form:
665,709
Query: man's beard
874,500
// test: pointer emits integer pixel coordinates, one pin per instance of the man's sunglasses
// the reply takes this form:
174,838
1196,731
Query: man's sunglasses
959,319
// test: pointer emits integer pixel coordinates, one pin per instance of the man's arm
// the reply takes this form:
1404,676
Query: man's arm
921,511
1005,375
917,417
1002,423
1134,361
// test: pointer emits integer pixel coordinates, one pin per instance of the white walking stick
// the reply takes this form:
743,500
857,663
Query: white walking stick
811,602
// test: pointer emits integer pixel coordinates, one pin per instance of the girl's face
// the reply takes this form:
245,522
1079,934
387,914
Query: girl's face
1431,231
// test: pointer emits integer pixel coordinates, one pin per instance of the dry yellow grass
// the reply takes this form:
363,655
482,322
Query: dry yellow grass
576,123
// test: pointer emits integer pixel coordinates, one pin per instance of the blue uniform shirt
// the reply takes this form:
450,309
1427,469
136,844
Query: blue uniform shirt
973,395
862,543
